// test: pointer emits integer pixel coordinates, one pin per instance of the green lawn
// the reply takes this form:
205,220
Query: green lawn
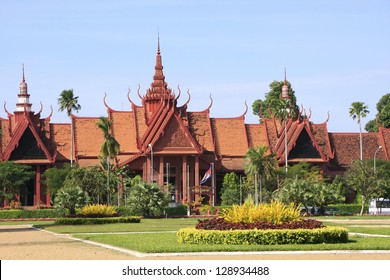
166,243
146,225
158,235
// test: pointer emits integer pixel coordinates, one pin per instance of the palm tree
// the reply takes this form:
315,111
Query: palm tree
68,102
110,147
258,161
357,111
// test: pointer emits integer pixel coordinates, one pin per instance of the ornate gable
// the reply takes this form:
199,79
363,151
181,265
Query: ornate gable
176,137
301,143
26,143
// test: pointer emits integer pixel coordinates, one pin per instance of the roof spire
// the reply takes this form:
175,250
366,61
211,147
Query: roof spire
23,96
285,94
158,43
23,79
158,86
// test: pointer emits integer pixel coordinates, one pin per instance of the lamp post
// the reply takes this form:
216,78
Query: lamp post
151,163
377,150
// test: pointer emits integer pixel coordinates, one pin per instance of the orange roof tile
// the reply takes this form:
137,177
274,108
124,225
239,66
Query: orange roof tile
87,136
60,137
124,130
257,135
230,136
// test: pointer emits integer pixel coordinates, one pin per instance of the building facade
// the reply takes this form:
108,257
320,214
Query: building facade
167,144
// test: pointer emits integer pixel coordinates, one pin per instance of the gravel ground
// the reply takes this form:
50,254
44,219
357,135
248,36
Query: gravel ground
26,243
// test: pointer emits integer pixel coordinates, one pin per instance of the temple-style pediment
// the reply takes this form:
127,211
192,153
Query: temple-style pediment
302,145
175,137
26,144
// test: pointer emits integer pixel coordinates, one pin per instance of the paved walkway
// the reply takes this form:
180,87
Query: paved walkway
23,242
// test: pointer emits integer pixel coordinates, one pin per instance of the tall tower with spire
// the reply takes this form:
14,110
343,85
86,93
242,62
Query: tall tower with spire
285,94
23,96
158,90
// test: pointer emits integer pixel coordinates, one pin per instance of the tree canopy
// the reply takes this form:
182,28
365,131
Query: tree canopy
382,116
12,177
270,105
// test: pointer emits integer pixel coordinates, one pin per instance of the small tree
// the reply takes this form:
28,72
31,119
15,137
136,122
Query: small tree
322,194
230,193
297,191
147,199
90,179
362,179
12,177
70,198
54,179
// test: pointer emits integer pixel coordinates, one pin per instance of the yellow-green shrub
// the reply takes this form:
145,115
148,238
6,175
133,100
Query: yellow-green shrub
263,237
274,212
98,210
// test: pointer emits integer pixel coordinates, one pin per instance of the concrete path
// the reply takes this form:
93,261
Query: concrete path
23,242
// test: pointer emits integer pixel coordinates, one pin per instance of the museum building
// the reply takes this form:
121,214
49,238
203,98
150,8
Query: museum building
165,143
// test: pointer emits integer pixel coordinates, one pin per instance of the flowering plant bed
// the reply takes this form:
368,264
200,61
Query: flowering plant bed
266,224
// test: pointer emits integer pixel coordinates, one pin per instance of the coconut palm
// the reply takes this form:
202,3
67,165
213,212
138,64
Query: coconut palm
357,111
259,161
68,102
110,147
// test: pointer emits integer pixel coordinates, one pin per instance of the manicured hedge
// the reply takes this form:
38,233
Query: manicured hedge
263,237
95,221
29,214
180,210
349,208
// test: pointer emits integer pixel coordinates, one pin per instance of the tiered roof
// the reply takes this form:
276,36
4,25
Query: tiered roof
172,130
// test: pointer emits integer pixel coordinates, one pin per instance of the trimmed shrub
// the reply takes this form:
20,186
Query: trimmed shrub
98,211
29,214
346,209
125,211
95,221
176,211
263,237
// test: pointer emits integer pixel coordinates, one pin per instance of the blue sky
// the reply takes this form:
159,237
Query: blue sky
335,52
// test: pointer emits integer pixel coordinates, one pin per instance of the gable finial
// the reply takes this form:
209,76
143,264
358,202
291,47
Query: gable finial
158,42
23,79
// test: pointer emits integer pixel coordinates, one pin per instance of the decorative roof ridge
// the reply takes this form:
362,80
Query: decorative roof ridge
68,124
131,101
9,115
50,115
157,127
352,133
207,110
279,147
82,117
314,141
109,109
155,123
